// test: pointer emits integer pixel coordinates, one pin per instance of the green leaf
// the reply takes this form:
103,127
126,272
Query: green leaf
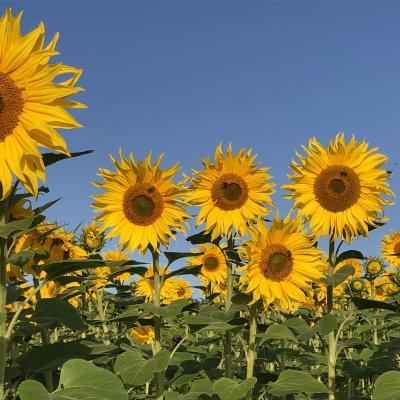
198,388
278,332
3,318
363,304
162,360
328,323
52,356
33,390
218,327
339,276
52,158
387,386
173,256
134,369
22,258
349,254
59,312
79,380
14,293
242,299
61,268
293,381
21,225
44,207
228,389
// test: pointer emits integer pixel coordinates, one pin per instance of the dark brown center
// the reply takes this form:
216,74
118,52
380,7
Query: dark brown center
229,192
142,204
276,262
11,106
337,188
211,263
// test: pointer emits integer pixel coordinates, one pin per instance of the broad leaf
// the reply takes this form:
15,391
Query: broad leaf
387,386
228,389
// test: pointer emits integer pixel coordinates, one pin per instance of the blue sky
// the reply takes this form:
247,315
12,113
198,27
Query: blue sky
179,77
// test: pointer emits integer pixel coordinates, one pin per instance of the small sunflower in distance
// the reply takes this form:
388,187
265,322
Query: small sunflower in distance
390,248
32,105
142,334
177,288
141,204
340,189
230,191
282,263
212,262
374,267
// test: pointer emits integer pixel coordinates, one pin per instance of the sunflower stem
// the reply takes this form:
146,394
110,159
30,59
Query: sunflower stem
5,206
228,303
158,376
331,335
373,295
251,349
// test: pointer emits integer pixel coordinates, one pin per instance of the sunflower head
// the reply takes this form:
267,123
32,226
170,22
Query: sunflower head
282,263
341,189
140,204
357,286
176,289
390,248
231,190
92,238
374,267
33,100
117,255
212,262
142,334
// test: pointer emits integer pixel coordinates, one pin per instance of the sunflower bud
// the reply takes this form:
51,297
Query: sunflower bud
92,238
374,267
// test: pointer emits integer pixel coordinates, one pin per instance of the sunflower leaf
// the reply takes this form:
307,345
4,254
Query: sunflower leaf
387,386
346,255
52,158
172,256
363,304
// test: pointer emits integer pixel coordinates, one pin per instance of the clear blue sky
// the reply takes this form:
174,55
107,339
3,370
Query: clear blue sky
179,77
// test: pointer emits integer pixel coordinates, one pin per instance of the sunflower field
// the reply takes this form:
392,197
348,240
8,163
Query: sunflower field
258,305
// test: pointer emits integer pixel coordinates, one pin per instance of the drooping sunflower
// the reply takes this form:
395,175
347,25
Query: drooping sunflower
390,248
230,191
282,263
212,261
141,204
32,104
342,189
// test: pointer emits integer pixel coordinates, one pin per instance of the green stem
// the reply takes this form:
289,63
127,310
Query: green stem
158,376
373,295
228,303
48,376
251,349
331,335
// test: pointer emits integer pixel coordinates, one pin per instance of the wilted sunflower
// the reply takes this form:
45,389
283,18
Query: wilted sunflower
230,191
212,261
141,204
282,263
32,105
340,189
390,248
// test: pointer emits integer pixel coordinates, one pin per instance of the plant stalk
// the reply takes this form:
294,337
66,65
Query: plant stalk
331,335
251,349
158,376
228,303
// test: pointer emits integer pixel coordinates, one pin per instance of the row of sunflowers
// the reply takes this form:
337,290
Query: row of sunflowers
267,312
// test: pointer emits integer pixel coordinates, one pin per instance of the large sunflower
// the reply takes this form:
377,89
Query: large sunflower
141,204
212,261
282,263
32,105
230,191
390,248
340,189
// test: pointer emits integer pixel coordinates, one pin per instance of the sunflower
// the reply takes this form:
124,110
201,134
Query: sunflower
212,261
141,204
384,288
340,189
390,248
145,286
282,263
230,191
218,290
32,105
177,288
374,267
117,255
92,237
142,334
59,244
